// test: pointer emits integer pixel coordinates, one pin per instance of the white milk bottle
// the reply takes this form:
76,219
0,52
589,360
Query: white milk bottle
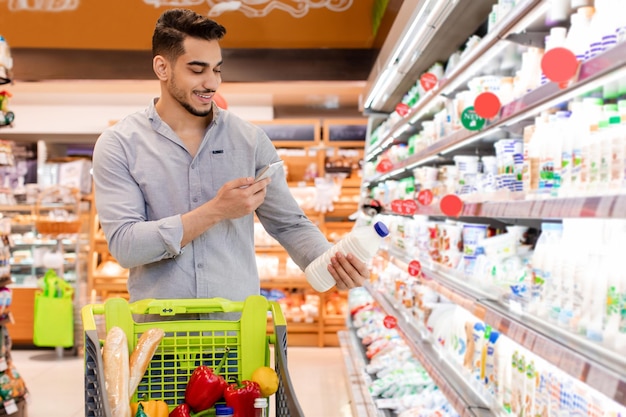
363,242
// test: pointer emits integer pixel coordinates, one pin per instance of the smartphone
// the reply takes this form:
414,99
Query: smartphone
268,170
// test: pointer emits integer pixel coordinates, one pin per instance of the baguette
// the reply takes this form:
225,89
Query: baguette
116,372
142,355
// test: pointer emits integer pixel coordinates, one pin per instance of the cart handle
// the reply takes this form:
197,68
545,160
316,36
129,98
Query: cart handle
179,306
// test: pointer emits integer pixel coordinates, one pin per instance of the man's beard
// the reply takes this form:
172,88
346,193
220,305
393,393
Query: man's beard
179,96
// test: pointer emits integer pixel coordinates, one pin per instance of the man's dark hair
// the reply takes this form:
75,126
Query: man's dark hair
175,25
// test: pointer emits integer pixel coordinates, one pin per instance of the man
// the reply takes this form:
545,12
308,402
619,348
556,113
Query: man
175,189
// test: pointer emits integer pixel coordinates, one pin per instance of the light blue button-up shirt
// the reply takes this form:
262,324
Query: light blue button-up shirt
145,180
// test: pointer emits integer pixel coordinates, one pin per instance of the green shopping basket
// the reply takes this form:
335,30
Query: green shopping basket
189,343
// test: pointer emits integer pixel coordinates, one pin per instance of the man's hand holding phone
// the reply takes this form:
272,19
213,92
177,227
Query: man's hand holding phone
268,170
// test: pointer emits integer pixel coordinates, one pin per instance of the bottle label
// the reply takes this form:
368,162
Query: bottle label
620,34
594,49
609,41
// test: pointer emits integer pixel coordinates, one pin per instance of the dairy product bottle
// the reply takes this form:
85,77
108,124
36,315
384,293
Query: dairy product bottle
362,242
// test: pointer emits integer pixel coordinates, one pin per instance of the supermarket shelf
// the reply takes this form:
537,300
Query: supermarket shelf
460,74
597,366
514,206
511,114
288,281
39,242
445,27
31,207
455,387
358,380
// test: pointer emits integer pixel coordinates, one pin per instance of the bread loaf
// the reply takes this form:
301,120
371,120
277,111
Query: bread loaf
142,355
116,372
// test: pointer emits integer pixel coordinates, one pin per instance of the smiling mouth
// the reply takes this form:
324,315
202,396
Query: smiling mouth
205,96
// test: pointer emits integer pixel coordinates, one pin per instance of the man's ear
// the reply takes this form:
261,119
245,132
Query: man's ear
159,65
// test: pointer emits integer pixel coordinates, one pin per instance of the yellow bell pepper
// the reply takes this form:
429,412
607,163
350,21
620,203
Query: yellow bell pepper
152,408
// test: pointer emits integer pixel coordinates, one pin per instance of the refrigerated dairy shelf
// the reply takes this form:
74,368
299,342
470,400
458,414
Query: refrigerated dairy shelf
515,206
461,395
358,380
589,362
609,63
462,72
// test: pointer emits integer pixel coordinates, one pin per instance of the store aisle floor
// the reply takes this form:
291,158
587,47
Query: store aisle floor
56,385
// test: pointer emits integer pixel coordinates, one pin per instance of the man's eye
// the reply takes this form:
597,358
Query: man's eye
218,70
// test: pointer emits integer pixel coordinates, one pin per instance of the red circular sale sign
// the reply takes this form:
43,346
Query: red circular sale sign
428,81
487,105
415,268
559,65
451,205
425,197
402,109
384,165
390,322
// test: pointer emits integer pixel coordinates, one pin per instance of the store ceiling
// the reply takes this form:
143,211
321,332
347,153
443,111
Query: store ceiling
317,62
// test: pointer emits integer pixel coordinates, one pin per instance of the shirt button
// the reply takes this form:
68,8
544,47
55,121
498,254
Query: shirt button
193,166
200,265
195,200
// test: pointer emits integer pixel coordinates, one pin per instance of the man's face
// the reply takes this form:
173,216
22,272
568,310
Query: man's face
196,75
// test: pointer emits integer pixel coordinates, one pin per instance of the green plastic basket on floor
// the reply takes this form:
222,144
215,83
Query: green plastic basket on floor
188,343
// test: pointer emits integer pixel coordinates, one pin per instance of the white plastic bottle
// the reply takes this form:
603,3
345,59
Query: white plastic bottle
577,39
600,21
362,242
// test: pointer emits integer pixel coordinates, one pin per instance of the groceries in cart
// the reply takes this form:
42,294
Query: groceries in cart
206,388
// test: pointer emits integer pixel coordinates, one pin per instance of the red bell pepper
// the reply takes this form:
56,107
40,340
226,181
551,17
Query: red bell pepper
241,396
182,410
205,386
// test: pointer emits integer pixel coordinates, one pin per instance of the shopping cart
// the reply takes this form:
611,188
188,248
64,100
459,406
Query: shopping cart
189,343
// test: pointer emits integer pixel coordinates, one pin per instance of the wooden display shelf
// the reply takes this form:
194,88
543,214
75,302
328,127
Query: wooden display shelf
23,312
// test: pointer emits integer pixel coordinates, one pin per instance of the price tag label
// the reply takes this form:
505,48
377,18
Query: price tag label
529,341
390,403
516,332
590,206
605,206
535,210
576,207
402,109
619,207
572,364
10,407
428,81
415,268
605,382
404,207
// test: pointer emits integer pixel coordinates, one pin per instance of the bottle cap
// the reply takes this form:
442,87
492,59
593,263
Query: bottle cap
260,402
381,229
224,411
